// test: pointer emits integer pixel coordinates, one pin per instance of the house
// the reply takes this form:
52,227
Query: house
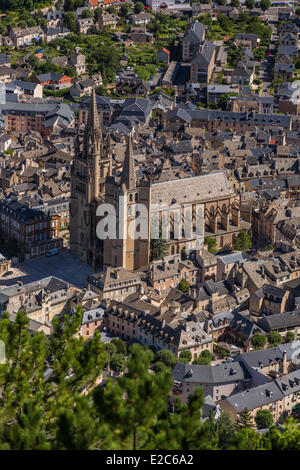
140,35
192,40
282,323
279,396
289,28
6,74
40,117
24,90
26,36
40,300
287,51
284,71
247,40
202,65
54,18
289,39
168,273
219,381
288,97
92,320
56,33
81,88
243,74
214,92
92,4
270,300
132,85
77,60
53,81
84,24
108,20
163,56
114,283
140,19
108,3
4,60
228,265
208,265
5,142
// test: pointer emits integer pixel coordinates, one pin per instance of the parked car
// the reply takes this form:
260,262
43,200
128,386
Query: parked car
52,252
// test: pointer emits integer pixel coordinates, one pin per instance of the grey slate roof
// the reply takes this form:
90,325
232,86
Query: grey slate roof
218,374
205,54
281,320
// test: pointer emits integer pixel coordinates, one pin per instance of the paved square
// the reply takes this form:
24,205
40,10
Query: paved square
65,266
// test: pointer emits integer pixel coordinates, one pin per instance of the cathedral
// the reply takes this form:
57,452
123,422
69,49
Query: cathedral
166,198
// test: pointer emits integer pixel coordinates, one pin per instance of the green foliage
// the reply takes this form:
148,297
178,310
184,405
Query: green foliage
225,430
286,439
242,242
274,338
70,21
30,400
130,404
166,357
87,14
258,340
235,3
138,7
184,285
269,247
204,359
265,5
264,419
211,245
124,10
120,345
244,420
250,4
158,247
246,439
289,337
118,362
185,356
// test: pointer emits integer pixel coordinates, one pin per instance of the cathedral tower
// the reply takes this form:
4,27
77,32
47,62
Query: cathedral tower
91,165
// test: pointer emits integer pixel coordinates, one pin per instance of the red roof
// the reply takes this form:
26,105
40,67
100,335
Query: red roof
165,50
94,3
107,2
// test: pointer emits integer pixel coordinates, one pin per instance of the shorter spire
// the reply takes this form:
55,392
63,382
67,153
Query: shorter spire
128,174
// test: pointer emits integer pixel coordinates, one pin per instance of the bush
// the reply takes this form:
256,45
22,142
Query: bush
204,359
185,356
184,285
120,345
211,245
274,338
242,242
264,419
289,337
166,357
258,340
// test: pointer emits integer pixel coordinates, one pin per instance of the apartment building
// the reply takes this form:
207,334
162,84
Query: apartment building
34,231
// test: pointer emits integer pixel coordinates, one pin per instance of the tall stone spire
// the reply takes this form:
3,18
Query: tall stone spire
93,119
128,174
92,147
